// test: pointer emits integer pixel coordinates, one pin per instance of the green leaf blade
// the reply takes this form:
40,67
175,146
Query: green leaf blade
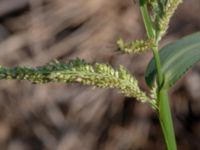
176,58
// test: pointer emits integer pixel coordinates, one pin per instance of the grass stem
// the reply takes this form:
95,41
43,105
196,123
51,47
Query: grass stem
164,111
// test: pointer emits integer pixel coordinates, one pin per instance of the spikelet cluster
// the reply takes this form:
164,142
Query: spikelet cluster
162,11
77,71
135,47
154,96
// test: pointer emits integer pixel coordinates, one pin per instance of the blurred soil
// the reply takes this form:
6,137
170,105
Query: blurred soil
73,117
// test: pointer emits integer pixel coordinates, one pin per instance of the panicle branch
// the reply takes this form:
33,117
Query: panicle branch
135,47
78,71
162,11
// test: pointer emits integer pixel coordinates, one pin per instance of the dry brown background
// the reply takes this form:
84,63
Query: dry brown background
73,117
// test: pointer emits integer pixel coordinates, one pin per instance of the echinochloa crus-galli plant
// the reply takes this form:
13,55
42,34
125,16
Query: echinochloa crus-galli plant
161,74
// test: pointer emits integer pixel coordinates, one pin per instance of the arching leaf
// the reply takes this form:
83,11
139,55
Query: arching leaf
176,58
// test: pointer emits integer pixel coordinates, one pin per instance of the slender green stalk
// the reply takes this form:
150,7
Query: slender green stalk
162,102
166,120
146,19
164,108
158,65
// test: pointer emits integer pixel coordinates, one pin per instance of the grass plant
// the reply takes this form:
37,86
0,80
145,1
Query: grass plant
161,74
